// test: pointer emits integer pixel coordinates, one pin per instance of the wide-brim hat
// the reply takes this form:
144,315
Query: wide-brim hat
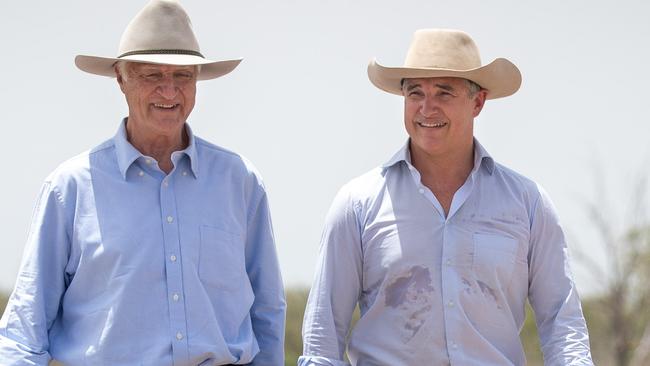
447,53
161,33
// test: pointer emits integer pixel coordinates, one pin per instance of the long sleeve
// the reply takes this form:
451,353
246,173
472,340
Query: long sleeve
35,301
269,307
552,293
336,287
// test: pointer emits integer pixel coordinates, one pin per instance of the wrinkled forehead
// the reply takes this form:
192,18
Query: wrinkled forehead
452,82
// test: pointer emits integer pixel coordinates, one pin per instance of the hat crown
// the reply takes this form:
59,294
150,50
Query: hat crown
160,25
435,53
442,49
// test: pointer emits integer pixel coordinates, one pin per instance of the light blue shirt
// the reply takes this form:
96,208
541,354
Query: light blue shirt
436,290
125,265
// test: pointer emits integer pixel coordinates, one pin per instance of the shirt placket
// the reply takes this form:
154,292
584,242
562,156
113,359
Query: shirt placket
447,288
452,313
453,261
174,272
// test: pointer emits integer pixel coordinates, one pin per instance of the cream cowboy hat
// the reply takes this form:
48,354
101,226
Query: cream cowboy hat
161,33
447,53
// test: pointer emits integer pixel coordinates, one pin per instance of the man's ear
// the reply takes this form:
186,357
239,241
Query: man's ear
119,77
479,101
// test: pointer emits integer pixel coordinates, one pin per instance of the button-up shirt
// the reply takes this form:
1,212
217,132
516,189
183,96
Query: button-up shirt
127,265
436,289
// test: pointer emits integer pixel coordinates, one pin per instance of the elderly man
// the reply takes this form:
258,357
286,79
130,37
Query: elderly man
155,247
441,246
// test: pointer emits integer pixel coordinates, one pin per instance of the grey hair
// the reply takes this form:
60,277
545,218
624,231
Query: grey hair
472,87
121,69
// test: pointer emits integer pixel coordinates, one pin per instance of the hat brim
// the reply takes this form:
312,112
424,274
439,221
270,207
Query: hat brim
500,78
209,69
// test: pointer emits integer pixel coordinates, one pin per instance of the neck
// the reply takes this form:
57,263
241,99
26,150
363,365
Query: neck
444,174
160,147
457,163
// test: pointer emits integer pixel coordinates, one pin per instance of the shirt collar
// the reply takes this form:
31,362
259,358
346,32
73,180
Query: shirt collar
127,154
481,157
403,154
190,151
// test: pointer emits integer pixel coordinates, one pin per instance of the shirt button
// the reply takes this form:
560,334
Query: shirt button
421,190
175,297
179,336
141,173
165,183
148,161
170,219
454,345
450,304
448,262
172,258
185,173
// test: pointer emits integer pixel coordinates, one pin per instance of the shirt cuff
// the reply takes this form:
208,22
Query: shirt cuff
319,361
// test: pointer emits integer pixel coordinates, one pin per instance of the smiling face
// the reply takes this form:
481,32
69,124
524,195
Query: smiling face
439,116
160,98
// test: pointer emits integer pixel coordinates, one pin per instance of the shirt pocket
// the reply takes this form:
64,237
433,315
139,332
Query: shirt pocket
221,258
495,257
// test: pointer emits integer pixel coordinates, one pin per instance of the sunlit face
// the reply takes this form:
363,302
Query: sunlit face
160,97
439,115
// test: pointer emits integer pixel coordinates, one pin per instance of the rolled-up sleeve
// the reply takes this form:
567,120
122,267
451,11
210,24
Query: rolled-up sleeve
268,310
35,301
336,286
562,329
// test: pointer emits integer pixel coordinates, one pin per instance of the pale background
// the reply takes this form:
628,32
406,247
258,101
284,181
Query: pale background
301,108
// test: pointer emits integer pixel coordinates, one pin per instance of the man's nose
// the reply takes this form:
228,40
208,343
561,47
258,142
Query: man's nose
168,87
429,106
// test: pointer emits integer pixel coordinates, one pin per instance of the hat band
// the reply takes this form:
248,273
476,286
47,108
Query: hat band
162,52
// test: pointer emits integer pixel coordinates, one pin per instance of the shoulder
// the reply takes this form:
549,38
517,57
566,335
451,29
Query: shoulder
523,189
215,159
77,168
360,194
365,187
516,181
74,175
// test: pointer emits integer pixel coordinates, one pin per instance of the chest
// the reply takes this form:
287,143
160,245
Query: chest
483,241
135,226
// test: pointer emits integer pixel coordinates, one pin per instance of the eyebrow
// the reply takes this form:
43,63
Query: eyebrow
410,87
155,69
446,87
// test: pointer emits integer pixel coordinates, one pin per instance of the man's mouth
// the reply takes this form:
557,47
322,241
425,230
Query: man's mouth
165,106
431,124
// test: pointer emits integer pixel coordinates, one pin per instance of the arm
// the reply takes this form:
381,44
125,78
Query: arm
35,302
336,287
552,293
268,310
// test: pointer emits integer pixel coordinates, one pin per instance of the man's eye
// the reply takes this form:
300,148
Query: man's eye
184,76
152,77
